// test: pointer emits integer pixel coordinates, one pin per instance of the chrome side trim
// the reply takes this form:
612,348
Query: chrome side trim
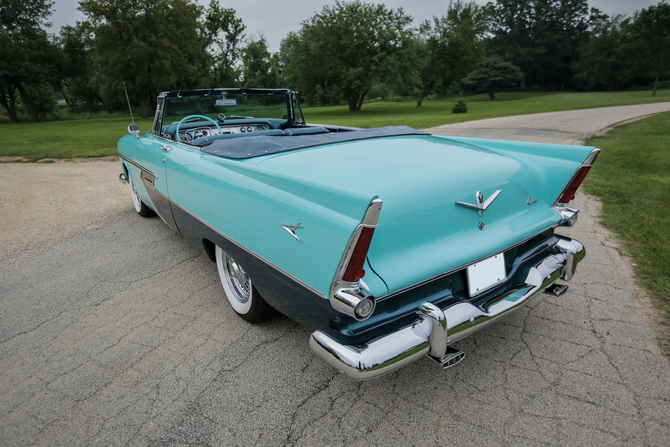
257,256
455,269
435,328
138,166
345,295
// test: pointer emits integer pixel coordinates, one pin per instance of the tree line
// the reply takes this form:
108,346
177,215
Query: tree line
347,53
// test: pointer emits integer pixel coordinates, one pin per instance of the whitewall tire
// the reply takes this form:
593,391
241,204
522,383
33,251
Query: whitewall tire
241,293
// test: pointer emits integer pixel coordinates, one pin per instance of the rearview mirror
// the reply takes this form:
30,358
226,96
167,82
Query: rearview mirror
133,129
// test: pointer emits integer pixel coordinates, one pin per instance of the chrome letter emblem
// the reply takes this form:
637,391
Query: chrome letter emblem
291,229
480,204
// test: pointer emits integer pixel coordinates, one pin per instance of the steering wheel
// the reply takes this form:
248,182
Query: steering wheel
195,116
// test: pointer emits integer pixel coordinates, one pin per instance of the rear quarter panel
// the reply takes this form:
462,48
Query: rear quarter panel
249,204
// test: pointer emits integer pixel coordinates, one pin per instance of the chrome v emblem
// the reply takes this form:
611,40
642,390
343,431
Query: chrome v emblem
291,229
480,205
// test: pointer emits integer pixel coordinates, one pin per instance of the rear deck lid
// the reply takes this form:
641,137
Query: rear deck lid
422,231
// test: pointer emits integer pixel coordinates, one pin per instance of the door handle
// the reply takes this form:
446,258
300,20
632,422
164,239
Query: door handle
166,148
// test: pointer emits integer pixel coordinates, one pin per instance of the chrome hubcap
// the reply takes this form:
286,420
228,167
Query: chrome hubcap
136,197
238,280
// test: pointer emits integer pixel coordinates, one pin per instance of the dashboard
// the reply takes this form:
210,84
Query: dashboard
208,131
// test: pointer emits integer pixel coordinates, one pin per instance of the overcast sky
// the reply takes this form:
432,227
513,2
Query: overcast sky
274,19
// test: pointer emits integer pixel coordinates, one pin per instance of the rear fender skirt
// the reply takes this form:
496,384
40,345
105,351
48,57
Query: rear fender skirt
278,288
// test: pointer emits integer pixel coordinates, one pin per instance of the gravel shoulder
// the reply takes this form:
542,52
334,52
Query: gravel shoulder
47,202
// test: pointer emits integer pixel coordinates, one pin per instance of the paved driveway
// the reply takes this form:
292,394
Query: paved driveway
121,335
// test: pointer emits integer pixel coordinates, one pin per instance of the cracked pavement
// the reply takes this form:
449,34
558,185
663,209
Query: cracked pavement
121,335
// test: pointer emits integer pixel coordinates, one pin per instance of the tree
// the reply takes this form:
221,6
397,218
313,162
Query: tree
151,45
541,37
350,46
608,58
651,27
259,67
453,45
493,74
222,39
76,68
284,55
27,58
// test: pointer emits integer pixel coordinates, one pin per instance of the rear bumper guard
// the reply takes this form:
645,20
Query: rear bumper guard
435,328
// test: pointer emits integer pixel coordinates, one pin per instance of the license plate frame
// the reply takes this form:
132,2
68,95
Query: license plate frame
486,274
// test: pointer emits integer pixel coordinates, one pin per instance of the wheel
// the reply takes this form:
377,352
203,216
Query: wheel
141,208
242,295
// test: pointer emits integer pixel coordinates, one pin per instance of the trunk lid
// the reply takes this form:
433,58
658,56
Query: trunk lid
422,232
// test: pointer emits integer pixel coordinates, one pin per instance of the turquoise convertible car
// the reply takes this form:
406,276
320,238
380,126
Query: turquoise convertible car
390,244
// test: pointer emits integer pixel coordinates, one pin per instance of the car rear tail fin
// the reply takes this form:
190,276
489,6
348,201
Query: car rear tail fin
568,192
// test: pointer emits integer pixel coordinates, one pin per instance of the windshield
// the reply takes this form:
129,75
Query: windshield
232,105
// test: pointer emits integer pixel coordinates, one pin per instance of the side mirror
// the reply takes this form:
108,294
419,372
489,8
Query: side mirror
133,129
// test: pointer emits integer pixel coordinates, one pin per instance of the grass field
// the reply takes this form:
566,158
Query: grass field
632,178
98,137
437,112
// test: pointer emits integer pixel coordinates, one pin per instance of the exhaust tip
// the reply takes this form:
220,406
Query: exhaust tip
451,358
556,289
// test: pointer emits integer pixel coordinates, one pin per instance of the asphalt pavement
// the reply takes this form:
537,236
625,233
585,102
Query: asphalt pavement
121,335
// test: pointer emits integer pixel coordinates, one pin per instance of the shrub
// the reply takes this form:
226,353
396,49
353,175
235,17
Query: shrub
460,107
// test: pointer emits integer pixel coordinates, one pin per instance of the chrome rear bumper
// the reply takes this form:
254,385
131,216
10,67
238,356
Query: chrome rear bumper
436,328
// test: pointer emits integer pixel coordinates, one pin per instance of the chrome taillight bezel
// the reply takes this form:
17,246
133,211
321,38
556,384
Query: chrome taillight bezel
346,297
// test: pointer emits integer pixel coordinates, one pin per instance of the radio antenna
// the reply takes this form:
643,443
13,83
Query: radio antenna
127,99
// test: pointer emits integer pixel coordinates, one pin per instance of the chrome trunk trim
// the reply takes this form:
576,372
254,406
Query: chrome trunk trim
426,336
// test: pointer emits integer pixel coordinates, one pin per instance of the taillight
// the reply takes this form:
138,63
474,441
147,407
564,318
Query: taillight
569,191
354,270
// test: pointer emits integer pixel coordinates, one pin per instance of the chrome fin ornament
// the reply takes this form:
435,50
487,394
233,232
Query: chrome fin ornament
291,229
480,204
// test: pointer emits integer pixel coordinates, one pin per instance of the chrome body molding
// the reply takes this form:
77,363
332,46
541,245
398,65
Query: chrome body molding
435,328
345,296
568,215
142,168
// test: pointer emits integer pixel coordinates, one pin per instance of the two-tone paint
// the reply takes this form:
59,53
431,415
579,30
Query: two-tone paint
423,239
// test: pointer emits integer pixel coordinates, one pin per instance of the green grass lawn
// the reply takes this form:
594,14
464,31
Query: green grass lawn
437,112
98,137
632,178
65,139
